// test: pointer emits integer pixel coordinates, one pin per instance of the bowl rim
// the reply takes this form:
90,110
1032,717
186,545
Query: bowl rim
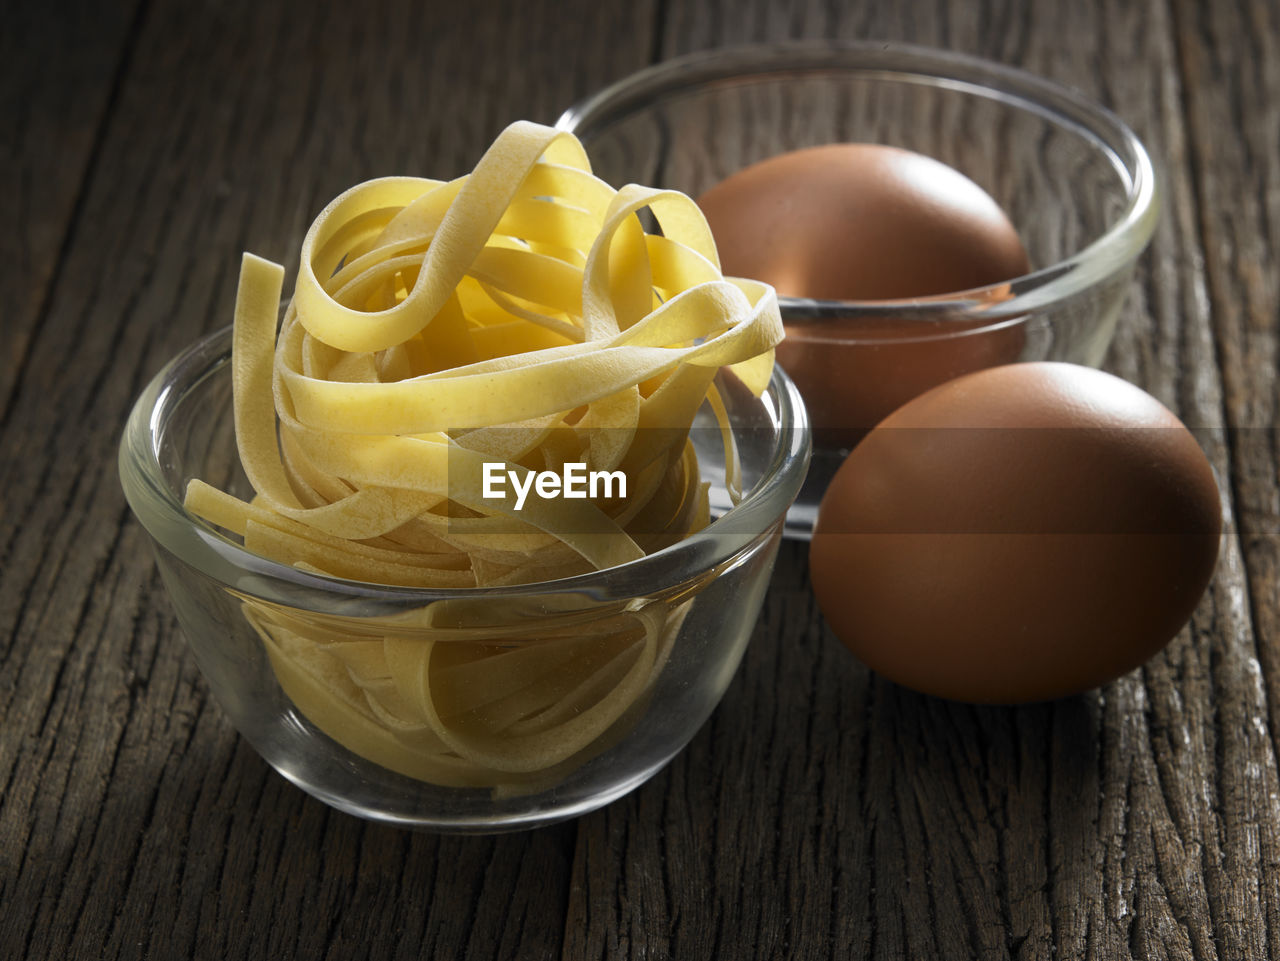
200,545
1064,106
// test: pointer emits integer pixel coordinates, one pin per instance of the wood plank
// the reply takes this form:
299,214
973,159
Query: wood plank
1231,79
1228,54
62,63
133,820
823,806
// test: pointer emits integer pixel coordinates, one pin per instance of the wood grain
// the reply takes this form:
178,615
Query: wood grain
822,812
62,71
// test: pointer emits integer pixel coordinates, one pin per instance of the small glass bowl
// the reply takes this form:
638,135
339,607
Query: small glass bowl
254,625
1075,181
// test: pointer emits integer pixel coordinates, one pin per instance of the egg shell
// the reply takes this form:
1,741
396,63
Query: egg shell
868,222
1017,534
861,221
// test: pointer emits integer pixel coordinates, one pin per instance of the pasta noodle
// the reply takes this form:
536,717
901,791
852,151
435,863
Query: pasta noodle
518,316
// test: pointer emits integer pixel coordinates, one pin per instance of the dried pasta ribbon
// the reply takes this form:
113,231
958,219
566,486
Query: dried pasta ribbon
471,714
519,315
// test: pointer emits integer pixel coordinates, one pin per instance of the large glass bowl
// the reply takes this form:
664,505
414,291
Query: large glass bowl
686,612
1074,180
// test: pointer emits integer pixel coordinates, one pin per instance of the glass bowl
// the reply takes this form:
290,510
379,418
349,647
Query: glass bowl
641,652
1074,180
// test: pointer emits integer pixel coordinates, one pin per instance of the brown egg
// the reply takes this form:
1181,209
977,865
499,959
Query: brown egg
858,221
1017,534
868,222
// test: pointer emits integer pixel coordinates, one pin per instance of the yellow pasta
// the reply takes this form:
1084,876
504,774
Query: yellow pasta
518,319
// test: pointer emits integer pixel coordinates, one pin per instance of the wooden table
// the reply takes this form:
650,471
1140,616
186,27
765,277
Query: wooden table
822,812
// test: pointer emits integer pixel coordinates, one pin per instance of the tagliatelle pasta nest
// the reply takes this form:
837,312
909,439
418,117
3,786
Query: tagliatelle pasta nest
519,316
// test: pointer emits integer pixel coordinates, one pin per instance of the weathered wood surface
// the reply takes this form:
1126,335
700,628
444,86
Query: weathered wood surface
822,812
